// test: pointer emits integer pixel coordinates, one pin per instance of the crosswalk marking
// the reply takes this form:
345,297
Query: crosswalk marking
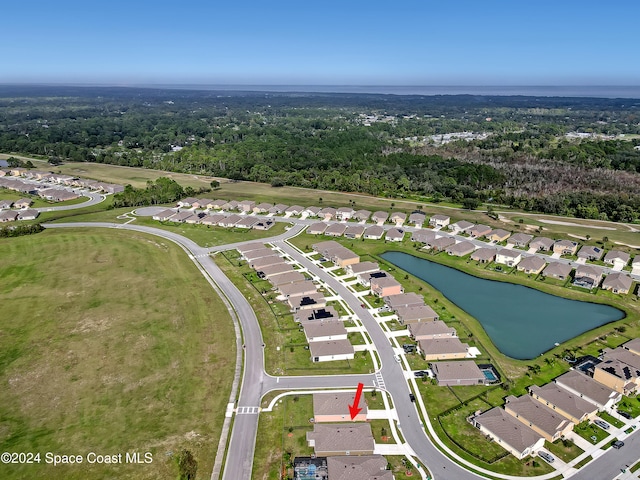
380,381
247,410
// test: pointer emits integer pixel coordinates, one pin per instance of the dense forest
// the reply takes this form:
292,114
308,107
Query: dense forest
574,156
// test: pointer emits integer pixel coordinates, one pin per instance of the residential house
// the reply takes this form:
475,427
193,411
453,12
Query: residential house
246,206
294,210
324,331
618,259
187,202
532,265
589,252
335,439
202,203
298,288
429,330
263,224
379,217
23,203
311,211
343,256
423,236
258,253
356,269
591,390
317,228
398,218
542,419
374,232
362,215
327,213
8,216
307,301
345,213
479,230
230,221
212,219
335,229
354,231
619,370
385,286
230,205
365,278
394,235
587,276
440,244
635,265
417,219
507,257
332,350
5,204
28,214
315,314
443,349
334,407
460,227
248,247
286,277
263,262
278,208
633,346
194,218
262,208
498,235
216,204
460,249
618,283
272,270
514,436
439,221
246,222
456,373
567,404
558,270
323,248
180,217
543,244
520,240
164,215
365,467
484,255
410,299
413,314
565,247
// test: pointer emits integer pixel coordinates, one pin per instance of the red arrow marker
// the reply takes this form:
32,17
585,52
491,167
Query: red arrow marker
354,410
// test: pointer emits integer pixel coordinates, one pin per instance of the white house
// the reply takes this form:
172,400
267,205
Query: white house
508,257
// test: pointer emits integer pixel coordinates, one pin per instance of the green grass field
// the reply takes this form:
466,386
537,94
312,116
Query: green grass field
38,202
110,342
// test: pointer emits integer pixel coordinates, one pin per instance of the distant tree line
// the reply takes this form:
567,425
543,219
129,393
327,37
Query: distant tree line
163,190
19,230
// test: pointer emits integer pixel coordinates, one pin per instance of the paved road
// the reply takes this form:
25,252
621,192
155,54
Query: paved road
94,198
608,466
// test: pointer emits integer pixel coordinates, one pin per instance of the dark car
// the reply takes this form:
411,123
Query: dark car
625,414
420,374
617,444
412,397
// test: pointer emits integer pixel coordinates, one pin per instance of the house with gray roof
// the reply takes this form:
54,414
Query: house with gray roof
514,436
362,267
520,240
180,217
286,277
354,231
374,232
423,236
543,244
256,253
460,227
248,247
294,210
410,299
164,215
618,283
327,213
398,218
324,330
567,404
335,229
441,243
23,203
498,235
511,258
262,208
5,204
345,213
439,221
317,314
278,208
479,230
428,330
542,419
272,270
298,288
448,348
633,346
586,387
230,221
28,214
457,373
312,211
187,202
484,255
362,215
266,261
460,249
298,303
246,222
590,252
334,407
365,467
379,217
558,270
328,351
565,247
416,314
587,276
317,228
212,219
417,218
618,259
394,235
532,265
334,439
619,370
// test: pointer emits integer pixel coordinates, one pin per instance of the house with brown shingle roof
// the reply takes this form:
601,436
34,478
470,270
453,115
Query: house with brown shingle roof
8,216
328,351
587,276
460,249
586,387
312,211
272,270
541,243
294,210
453,373
5,204
590,252
439,221
316,228
514,436
618,283
557,270
379,217
498,235
385,286
354,231
484,255
374,232
362,267
565,247
567,404
441,243
298,303
345,213
442,349
230,221
417,218
428,330
23,203
633,346
460,227
164,215
618,259
394,235
298,288
520,240
212,219
398,218
423,236
410,299
335,229
256,253
365,467
28,214
266,261
286,277
278,208
334,439
416,314
327,213
262,208
479,231
532,265
324,330
248,247
542,419
334,407
246,222
511,258
362,215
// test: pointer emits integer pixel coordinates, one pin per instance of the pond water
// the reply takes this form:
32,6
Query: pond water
521,321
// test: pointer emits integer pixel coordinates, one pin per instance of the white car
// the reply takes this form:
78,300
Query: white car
397,358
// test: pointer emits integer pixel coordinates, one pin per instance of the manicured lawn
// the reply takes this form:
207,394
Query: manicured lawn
631,405
381,428
583,462
38,202
104,349
586,430
611,419
565,451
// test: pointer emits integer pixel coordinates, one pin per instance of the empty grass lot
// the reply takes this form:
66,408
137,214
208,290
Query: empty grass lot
110,342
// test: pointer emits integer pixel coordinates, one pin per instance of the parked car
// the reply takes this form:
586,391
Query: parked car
397,358
546,457
624,414
412,397
617,444
601,423
420,373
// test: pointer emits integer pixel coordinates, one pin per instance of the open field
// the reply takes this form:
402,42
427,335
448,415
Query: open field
110,342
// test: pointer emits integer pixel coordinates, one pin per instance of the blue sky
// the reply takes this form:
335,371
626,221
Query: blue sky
330,42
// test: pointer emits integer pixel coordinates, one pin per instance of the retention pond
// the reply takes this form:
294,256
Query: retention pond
522,322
